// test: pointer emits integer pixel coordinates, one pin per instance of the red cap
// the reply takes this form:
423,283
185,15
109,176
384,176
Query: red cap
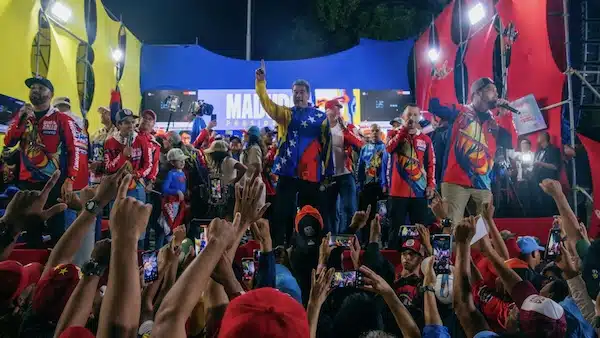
76,332
538,314
149,112
308,210
333,103
414,245
54,289
264,312
15,278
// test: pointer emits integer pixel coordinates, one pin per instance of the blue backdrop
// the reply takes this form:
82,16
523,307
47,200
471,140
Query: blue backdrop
371,65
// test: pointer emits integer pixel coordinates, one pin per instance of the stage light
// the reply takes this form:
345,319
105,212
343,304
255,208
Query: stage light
60,12
476,13
527,158
433,54
117,55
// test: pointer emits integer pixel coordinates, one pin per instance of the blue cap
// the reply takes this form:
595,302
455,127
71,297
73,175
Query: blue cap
254,131
40,80
286,283
528,244
9,192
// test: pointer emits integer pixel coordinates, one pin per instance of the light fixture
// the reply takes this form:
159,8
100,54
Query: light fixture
433,54
476,13
60,11
117,55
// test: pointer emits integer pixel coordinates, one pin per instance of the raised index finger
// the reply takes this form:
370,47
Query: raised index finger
368,212
122,192
49,185
262,65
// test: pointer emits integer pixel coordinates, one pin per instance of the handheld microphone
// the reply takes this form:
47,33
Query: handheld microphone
509,108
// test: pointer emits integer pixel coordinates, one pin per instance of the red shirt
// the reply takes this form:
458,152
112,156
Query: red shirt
495,310
412,165
141,155
155,150
46,145
471,145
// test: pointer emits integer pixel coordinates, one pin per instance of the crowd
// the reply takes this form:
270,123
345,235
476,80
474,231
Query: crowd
282,233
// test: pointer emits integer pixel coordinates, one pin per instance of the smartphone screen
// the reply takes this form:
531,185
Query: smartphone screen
408,232
382,208
345,241
200,243
256,254
150,264
247,268
215,186
442,245
347,279
553,246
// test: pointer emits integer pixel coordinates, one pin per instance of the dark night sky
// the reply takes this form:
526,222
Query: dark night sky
219,25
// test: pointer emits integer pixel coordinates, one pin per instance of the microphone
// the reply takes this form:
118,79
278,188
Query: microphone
509,108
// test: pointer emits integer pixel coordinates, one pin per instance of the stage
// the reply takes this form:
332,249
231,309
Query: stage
537,227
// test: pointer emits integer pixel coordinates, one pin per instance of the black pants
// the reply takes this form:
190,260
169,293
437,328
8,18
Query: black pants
56,224
415,208
369,195
291,194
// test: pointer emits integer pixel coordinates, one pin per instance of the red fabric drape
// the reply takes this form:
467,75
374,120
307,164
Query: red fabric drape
593,151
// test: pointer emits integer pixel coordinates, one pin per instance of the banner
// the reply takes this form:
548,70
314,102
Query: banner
531,119
593,151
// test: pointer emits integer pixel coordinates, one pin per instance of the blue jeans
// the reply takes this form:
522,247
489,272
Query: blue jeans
344,188
139,193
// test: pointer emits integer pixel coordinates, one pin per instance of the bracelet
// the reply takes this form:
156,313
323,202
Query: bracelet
426,288
93,268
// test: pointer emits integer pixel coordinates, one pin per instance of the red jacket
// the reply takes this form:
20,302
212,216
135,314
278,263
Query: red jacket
351,139
203,140
412,165
81,146
155,149
46,145
141,155
268,176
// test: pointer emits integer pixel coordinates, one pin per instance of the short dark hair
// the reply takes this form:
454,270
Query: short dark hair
301,82
547,135
526,140
359,313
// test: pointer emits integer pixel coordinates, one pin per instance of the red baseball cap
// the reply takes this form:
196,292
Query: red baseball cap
54,289
538,314
15,278
333,103
264,312
149,112
414,245
76,332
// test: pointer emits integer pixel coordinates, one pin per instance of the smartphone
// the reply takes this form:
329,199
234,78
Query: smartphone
215,186
200,243
442,247
553,246
347,279
256,254
382,208
247,269
408,232
150,264
345,241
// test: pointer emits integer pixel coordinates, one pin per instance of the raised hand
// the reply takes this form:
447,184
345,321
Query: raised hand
430,277
324,249
359,220
223,231
320,286
247,199
261,72
375,231
439,206
178,235
262,233
101,252
355,253
77,202
128,217
551,187
425,237
488,210
465,230
374,282
27,207
109,186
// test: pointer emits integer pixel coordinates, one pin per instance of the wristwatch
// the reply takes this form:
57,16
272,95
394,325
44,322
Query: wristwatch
426,288
93,207
446,223
92,268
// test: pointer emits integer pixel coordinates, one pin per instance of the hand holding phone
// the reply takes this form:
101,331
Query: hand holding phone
442,247
347,279
150,266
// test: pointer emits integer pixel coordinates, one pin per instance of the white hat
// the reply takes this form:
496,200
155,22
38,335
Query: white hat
176,154
61,100
217,145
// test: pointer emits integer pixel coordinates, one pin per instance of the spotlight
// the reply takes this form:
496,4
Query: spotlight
476,13
433,54
117,55
60,12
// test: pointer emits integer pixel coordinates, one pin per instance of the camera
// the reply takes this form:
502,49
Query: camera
201,108
172,103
